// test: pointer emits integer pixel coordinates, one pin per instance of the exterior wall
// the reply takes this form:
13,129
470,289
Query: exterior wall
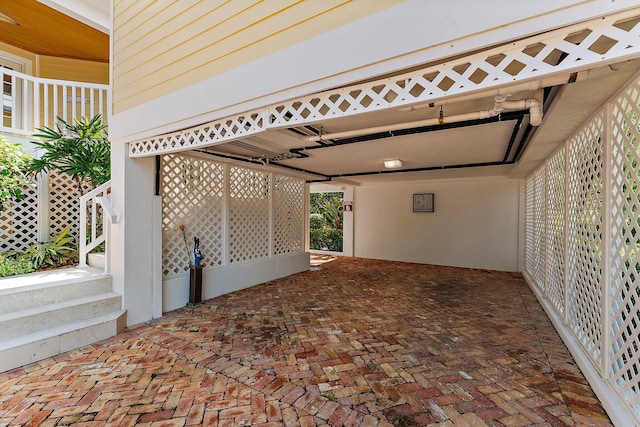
21,54
60,68
73,69
475,223
207,38
396,39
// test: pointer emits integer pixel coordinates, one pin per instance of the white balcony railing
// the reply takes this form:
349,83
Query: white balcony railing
29,103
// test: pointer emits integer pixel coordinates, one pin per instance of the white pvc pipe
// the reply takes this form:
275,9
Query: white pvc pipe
534,106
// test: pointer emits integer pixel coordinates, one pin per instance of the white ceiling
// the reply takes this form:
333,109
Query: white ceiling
435,154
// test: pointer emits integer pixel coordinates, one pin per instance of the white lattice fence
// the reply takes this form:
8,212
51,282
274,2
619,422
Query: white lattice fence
601,223
248,215
239,214
585,221
193,196
19,222
529,225
625,245
555,230
64,204
539,221
288,224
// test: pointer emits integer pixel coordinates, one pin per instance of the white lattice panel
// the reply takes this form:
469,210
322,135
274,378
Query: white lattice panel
193,196
64,204
539,232
625,246
249,215
584,219
218,131
289,221
19,222
555,240
529,225
581,46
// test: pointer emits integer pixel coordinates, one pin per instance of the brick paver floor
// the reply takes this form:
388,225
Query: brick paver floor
349,342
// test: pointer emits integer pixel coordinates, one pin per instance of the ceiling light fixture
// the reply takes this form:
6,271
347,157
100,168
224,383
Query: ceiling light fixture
393,164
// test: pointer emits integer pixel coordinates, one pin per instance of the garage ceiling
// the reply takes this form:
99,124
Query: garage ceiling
505,145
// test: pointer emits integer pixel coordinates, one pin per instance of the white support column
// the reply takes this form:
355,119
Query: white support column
347,222
156,259
42,183
132,262
307,211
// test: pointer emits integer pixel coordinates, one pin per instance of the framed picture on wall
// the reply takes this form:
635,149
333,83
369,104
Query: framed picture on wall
423,202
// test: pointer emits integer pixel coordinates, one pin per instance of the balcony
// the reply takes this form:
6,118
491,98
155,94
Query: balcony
29,102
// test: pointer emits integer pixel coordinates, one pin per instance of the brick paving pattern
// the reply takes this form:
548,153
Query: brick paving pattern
351,342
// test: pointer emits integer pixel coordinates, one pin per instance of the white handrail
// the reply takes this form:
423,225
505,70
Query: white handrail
91,200
29,102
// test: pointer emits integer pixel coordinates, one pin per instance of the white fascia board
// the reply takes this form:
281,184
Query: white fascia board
411,33
94,13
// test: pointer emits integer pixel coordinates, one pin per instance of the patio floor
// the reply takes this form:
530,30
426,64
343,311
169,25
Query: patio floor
350,342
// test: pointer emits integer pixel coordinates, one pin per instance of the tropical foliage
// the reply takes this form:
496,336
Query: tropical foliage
61,250
325,221
14,164
80,149
13,267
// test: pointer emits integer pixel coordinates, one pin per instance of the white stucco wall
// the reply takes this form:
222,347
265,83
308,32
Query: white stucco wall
475,223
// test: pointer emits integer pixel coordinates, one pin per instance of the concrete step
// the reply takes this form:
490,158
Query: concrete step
37,289
96,259
31,320
22,350
47,313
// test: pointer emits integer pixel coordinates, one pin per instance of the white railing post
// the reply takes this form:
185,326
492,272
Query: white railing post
99,195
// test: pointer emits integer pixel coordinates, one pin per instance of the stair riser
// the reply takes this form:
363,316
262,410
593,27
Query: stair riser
29,298
42,348
14,326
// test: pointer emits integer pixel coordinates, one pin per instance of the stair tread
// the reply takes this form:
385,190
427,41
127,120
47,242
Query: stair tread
53,278
5,317
65,328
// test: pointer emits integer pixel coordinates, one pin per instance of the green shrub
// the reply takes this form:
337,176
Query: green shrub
333,239
13,267
316,221
316,236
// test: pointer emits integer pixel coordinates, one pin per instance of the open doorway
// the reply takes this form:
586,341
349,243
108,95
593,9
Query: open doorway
326,222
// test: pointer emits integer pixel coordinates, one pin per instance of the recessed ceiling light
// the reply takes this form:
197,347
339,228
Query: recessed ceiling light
393,164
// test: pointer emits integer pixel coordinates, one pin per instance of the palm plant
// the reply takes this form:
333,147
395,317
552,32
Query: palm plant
80,149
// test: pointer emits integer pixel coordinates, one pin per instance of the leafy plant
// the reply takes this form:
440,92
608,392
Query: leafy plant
316,221
54,252
80,149
13,267
325,221
13,171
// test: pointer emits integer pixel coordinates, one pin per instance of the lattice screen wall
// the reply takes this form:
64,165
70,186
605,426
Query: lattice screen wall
239,214
589,273
19,220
